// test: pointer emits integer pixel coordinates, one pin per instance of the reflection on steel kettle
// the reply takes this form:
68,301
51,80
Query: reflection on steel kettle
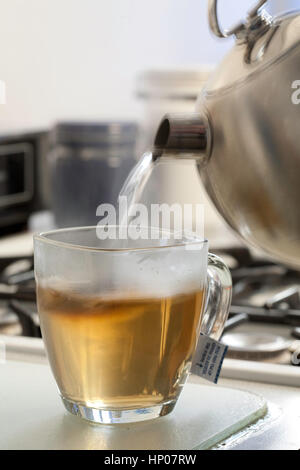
245,133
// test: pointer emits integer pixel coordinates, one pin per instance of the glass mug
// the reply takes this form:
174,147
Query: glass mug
121,318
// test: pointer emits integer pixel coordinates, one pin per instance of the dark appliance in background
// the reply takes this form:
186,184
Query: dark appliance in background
23,178
89,163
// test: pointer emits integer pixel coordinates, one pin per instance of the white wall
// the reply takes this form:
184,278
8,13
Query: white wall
284,5
78,59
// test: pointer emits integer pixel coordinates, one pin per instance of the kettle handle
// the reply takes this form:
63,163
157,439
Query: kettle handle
236,30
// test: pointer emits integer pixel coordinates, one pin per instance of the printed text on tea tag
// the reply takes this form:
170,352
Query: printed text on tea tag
208,358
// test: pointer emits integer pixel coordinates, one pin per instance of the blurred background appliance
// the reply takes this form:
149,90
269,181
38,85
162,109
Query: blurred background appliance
89,163
23,178
160,91
163,89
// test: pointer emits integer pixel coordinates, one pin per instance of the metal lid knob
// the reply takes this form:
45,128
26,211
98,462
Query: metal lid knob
241,29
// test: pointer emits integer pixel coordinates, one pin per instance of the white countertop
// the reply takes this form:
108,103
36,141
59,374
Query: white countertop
20,244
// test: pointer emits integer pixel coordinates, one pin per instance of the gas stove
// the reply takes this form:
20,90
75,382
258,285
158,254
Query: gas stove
18,313
263,325
264,319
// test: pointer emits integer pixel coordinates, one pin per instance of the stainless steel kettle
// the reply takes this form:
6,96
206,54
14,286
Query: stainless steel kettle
245,134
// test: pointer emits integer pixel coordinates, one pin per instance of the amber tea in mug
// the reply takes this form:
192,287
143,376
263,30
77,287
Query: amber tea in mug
121,325
122,352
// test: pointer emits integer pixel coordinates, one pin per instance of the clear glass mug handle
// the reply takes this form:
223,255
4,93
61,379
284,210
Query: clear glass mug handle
218,297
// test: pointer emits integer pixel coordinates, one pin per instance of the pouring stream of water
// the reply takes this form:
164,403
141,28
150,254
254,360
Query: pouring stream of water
136,182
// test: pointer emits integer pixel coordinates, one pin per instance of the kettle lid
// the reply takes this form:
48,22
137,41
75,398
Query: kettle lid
260,42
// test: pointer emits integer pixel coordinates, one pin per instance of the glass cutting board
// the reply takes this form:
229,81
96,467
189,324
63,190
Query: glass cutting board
33,417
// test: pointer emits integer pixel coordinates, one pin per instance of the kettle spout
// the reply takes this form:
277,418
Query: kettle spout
185,136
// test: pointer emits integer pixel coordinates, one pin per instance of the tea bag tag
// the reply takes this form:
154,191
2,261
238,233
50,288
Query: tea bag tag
208,358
